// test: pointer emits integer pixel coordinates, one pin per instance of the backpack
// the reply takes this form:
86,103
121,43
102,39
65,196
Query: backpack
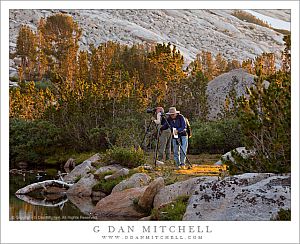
188,127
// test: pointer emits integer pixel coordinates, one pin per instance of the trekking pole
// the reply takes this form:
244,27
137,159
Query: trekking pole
156,146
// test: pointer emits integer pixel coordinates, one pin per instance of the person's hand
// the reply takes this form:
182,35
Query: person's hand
152,118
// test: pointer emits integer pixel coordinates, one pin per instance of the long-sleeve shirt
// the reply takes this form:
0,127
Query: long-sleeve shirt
178,123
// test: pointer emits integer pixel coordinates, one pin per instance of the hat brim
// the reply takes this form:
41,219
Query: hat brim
177,112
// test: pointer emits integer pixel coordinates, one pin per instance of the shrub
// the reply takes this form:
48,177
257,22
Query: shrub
283,214
215,136
32,141
265,119
172,211
129,158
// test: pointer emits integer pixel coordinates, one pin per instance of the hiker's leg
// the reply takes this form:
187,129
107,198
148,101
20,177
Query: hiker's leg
161,146
184,144
168,145
176,152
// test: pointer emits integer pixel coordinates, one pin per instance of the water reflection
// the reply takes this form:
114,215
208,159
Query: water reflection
44,207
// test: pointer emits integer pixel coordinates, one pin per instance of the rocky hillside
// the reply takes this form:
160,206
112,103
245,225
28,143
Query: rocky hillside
190,30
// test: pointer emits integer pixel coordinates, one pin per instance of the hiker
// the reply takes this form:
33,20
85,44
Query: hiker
179,136
164,145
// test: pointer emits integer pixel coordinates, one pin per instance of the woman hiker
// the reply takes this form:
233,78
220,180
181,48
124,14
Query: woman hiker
179,135
164,145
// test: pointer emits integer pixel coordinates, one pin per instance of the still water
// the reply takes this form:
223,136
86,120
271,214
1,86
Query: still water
49,207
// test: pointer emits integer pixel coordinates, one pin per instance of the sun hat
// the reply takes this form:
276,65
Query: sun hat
172,110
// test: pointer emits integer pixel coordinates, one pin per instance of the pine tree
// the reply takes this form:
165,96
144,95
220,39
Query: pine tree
60,35
265,120
27,50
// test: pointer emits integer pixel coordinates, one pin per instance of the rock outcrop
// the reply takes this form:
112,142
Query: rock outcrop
251,196
136,180
69,165
108,168
183,188
83,187
82,169
146,200
242,151
120,205
191,30
119,173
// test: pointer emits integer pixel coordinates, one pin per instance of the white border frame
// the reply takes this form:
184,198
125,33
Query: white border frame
82,232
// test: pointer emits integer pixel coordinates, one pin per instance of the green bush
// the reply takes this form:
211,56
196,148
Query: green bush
215,136
127,157
32,141
172,211
283,214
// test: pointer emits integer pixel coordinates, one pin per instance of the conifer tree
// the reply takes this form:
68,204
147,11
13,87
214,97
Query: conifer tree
60,44
27,50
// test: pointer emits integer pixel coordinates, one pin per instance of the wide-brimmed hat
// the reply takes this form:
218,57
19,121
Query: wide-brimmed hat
172,110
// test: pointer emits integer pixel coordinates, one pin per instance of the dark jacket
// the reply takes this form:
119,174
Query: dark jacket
178,123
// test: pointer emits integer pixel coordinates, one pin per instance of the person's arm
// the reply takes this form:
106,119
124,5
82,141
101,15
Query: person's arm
165,125
182,123
158,119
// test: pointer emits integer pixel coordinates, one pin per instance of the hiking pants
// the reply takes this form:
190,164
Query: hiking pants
164,145
179,156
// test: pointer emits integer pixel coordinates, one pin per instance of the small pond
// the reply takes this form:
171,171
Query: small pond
44,207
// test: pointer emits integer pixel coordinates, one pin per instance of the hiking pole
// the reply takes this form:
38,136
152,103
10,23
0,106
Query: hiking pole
156,146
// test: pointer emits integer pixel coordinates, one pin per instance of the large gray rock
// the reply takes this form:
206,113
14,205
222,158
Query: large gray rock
70,164
83,187
82,169
108,168
218,89
251,196
84,204
183,188
242,151
119,205
119,173
146,200
136,180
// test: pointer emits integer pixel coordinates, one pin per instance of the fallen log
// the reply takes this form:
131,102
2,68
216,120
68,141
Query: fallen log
42,202
42,185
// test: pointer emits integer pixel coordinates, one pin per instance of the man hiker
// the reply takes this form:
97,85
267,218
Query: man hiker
179,136
164,145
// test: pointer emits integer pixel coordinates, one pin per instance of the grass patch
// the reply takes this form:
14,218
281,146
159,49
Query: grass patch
172,211
77,178
107,186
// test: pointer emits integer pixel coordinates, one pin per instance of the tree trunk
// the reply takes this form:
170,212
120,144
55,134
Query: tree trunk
42,185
